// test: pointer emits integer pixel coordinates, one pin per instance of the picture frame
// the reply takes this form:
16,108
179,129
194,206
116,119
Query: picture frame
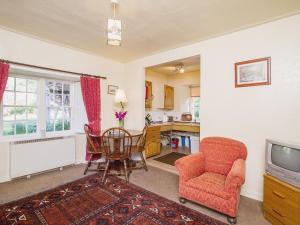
253,72
112,89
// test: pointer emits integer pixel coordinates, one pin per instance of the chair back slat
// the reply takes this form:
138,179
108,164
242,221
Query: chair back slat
117,143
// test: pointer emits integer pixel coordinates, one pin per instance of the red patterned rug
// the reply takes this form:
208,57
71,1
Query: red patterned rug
87,201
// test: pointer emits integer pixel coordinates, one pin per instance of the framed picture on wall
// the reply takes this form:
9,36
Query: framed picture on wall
253,72
112,89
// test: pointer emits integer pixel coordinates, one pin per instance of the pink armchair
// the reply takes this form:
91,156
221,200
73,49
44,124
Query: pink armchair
214,176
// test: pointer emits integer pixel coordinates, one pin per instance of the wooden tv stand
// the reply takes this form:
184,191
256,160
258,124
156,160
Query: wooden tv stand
281,203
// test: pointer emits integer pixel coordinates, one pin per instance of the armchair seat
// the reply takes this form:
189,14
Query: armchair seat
214,176
211,183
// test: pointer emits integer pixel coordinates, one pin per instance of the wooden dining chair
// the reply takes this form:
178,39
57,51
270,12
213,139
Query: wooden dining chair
94,148
137,151
117,146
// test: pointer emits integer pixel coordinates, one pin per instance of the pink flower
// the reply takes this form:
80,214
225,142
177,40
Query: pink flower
120,115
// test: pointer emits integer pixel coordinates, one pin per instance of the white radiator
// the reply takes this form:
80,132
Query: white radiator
34,156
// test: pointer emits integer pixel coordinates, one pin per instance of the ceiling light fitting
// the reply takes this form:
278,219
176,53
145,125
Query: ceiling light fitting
114,27
179,68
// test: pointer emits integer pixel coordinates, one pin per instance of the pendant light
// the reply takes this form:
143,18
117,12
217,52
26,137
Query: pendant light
114,27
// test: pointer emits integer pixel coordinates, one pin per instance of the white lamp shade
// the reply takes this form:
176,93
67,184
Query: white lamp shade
120,96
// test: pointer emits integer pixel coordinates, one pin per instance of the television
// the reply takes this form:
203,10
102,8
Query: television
283,161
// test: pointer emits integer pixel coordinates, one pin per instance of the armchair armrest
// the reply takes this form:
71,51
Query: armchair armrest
190,166
236,176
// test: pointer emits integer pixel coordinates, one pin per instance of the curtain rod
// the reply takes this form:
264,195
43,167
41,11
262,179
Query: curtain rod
50,69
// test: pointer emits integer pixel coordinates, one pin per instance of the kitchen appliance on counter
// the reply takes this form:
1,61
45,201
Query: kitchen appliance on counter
148,119
186,116
170,118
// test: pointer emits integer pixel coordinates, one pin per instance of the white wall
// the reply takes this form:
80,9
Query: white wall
249,114
24,49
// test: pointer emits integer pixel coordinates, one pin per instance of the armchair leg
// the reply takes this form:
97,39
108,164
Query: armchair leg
231,220
182,200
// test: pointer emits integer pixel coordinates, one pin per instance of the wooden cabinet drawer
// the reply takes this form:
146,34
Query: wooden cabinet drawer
281,201
279,193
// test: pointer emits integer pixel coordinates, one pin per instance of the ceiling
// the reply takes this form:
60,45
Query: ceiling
148,26
191,64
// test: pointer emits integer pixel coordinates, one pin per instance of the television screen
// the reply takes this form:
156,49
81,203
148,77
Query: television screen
285,157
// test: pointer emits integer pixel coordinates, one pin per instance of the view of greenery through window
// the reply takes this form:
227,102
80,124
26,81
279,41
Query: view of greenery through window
58,106
19,106
20,115
196,108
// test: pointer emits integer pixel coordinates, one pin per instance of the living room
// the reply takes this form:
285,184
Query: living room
250,114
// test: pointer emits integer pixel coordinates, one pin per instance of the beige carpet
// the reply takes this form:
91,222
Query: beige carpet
156,180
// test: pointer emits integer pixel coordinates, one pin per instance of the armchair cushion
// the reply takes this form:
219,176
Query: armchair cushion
190,166
211,183
220,153
236,176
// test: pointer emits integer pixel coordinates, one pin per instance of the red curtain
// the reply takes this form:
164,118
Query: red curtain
90,88
4,68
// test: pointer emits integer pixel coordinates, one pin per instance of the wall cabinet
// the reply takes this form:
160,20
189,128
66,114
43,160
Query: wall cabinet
169,97
148,97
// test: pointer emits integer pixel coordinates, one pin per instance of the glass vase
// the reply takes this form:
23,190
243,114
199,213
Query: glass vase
121,123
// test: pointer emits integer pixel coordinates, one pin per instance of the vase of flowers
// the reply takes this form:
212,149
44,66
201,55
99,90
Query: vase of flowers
121,116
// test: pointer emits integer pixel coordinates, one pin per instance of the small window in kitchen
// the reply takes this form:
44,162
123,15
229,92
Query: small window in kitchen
195,108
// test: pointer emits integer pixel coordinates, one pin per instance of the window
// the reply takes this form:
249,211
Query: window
58,106
195,106
19,107
31,105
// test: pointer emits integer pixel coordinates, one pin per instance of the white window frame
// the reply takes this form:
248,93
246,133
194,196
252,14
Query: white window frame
59,133
37,106
41,111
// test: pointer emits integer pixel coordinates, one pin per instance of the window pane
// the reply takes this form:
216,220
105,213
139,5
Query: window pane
58,125
31,113
58,88
20,84
31,127
50,99
49,126
58,100
8,98
49,87
32,86
8,128
51,113
60,114
20,128
8,113
31,99
67,100
20,113
66,88
20,98
10,85
67,113
67,125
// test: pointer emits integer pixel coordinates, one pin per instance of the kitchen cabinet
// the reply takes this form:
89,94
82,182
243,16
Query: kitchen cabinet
148,97
169,97
152,146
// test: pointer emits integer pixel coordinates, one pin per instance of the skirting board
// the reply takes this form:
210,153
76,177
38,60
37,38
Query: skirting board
253,195
4,179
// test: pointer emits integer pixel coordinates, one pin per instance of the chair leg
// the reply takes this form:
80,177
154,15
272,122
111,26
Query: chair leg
105,171
231,220
88,165
144,161
125,170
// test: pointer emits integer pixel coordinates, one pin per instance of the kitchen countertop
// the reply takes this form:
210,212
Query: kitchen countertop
186,123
